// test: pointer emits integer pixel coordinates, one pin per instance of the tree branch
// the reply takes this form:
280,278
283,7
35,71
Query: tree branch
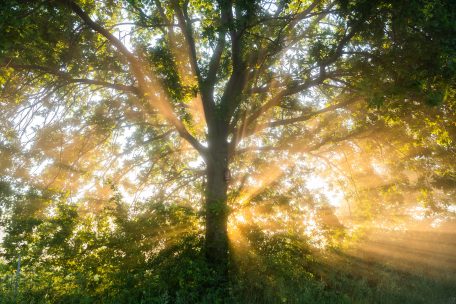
238,78
274,101
294,147
145,89
68,78
296,88
132,60
243,133
305,117
214,64
206,85
186,27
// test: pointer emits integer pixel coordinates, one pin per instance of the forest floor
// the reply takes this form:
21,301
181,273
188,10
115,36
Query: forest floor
413,265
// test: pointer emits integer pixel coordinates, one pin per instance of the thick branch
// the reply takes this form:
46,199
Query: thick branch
132,60
145,89
206,85
238,78
296,88
214,64
186,27
243,133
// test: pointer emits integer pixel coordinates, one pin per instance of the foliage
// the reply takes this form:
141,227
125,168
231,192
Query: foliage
138,137
278,268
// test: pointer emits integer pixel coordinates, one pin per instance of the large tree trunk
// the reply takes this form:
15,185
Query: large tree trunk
216,207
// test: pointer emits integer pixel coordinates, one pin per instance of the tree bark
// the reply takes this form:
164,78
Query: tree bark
216,246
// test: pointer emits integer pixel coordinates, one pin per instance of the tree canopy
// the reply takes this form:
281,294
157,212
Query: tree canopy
132,129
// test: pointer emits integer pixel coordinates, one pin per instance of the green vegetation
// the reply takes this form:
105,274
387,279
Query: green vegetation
137,263
229,151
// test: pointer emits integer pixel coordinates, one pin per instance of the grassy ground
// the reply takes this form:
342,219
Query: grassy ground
413,266
416,266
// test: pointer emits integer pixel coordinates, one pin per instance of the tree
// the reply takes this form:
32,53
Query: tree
262,71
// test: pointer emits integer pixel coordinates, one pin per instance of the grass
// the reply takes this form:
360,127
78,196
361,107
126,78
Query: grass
271,269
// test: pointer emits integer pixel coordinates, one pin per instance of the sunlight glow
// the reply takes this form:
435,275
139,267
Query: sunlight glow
335,196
